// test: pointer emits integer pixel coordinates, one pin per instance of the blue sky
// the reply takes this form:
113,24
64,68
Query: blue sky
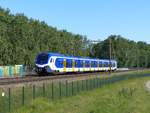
96,19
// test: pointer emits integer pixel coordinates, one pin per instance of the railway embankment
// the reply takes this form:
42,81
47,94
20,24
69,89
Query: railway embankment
14,96
124,96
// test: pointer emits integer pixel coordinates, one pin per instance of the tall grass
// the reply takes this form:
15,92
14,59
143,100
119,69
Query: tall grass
128,96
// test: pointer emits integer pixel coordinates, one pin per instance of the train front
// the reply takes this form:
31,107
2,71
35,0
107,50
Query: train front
42,63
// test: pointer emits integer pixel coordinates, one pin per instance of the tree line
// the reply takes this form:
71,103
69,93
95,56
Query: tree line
22,38
128,53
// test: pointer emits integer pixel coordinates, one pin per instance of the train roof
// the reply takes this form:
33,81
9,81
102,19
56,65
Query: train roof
61,55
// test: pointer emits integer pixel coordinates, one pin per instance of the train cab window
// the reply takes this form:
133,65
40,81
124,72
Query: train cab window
42,58
51,60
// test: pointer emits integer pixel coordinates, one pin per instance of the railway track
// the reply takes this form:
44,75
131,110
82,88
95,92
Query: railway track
16,80
25,79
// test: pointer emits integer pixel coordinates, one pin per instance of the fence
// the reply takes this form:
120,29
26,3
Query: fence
13,98
9,71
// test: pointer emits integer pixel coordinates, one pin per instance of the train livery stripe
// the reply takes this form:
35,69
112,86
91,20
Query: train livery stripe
64,65
73,65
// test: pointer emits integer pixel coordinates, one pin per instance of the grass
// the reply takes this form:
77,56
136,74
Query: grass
128,96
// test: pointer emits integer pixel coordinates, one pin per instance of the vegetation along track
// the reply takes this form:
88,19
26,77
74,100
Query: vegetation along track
30,78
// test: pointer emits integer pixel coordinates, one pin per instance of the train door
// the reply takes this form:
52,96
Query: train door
73,64
64,65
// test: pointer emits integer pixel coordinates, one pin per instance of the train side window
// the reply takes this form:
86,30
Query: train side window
84,63
59,62
69,63
92,63
81,63
76,63
111,64
95,63
100,64
105,64
87,64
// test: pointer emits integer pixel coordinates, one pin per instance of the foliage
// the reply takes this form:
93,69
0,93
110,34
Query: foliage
128,53
129,96
21,39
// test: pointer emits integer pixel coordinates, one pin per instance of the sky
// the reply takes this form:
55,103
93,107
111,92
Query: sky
96,19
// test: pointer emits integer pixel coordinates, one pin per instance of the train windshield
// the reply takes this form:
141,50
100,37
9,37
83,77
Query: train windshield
42,58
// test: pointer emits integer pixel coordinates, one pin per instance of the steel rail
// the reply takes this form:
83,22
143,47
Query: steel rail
36,78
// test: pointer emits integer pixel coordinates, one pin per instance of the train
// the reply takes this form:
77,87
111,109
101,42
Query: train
48,62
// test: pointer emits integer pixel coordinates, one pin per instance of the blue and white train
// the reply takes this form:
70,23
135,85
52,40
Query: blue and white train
47,62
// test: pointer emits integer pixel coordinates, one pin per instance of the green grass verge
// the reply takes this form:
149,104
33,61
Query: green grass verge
128,96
